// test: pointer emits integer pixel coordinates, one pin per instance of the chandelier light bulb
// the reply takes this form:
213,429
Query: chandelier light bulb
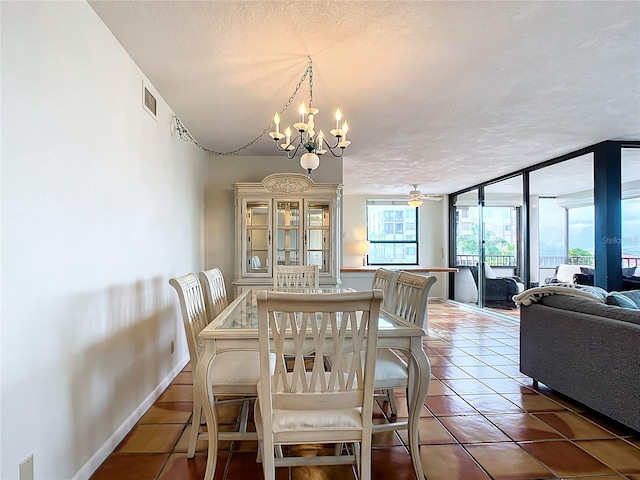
338,118
303,111
276,120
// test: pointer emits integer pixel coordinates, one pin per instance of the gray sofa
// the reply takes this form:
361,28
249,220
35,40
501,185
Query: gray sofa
587,350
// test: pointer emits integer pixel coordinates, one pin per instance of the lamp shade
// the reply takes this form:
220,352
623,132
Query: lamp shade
414,203
363,247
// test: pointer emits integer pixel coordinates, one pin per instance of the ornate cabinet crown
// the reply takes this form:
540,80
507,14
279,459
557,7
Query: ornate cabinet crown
286,219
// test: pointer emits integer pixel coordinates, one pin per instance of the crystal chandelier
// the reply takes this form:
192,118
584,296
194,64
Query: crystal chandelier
306,139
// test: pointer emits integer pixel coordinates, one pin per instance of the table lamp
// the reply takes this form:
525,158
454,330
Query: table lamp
363,249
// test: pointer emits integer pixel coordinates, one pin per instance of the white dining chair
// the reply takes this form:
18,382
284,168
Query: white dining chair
215,293
296,276
233,373
409,295
309,403
383,280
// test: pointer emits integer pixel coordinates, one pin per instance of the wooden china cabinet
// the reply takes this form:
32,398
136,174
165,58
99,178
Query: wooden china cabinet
286,219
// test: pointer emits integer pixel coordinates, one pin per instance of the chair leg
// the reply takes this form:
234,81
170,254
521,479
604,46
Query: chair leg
392,403
357,452
196,421
364,460
212,455
268,462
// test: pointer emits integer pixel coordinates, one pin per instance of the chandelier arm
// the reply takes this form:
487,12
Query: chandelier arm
292,153
337,155
331,147
279,147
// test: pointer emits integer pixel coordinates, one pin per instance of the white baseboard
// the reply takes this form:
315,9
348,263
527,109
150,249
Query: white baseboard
109,446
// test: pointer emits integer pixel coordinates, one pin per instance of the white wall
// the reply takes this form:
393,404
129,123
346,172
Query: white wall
100,207
433,247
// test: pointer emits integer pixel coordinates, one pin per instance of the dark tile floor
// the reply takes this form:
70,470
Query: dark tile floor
482,420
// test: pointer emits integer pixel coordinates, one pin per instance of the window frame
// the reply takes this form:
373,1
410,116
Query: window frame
415,243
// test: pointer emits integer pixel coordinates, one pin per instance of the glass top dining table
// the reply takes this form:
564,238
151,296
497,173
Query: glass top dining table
236,328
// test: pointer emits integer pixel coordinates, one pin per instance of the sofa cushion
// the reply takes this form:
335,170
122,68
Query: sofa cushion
628,299
579,305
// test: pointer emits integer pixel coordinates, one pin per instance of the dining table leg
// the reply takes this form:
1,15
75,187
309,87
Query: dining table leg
205,394
419,378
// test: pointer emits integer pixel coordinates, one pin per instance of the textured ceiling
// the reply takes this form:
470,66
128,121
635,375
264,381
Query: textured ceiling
442,94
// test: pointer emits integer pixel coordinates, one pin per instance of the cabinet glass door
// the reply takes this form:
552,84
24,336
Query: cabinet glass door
258,237
288,232
318,235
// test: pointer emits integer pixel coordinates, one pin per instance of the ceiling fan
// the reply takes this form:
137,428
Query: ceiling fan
416,197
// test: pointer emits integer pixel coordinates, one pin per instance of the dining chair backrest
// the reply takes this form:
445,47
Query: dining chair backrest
410,296
304,400
215,293
382,280
300,276
194,312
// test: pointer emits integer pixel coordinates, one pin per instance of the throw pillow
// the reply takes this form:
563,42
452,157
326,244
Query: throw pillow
620,300
488,271
598,292
566,272
633,295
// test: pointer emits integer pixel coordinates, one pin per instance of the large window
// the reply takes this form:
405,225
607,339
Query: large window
630,212
392,228
562,217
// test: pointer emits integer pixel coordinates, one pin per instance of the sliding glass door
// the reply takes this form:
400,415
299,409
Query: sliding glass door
467,246
502,242
630,218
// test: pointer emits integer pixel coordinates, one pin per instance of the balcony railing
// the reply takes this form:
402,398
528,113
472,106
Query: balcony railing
630,262
554,261
548,261
493,260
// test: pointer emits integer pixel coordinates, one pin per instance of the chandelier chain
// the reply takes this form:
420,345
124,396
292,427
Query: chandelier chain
184,134
310,70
